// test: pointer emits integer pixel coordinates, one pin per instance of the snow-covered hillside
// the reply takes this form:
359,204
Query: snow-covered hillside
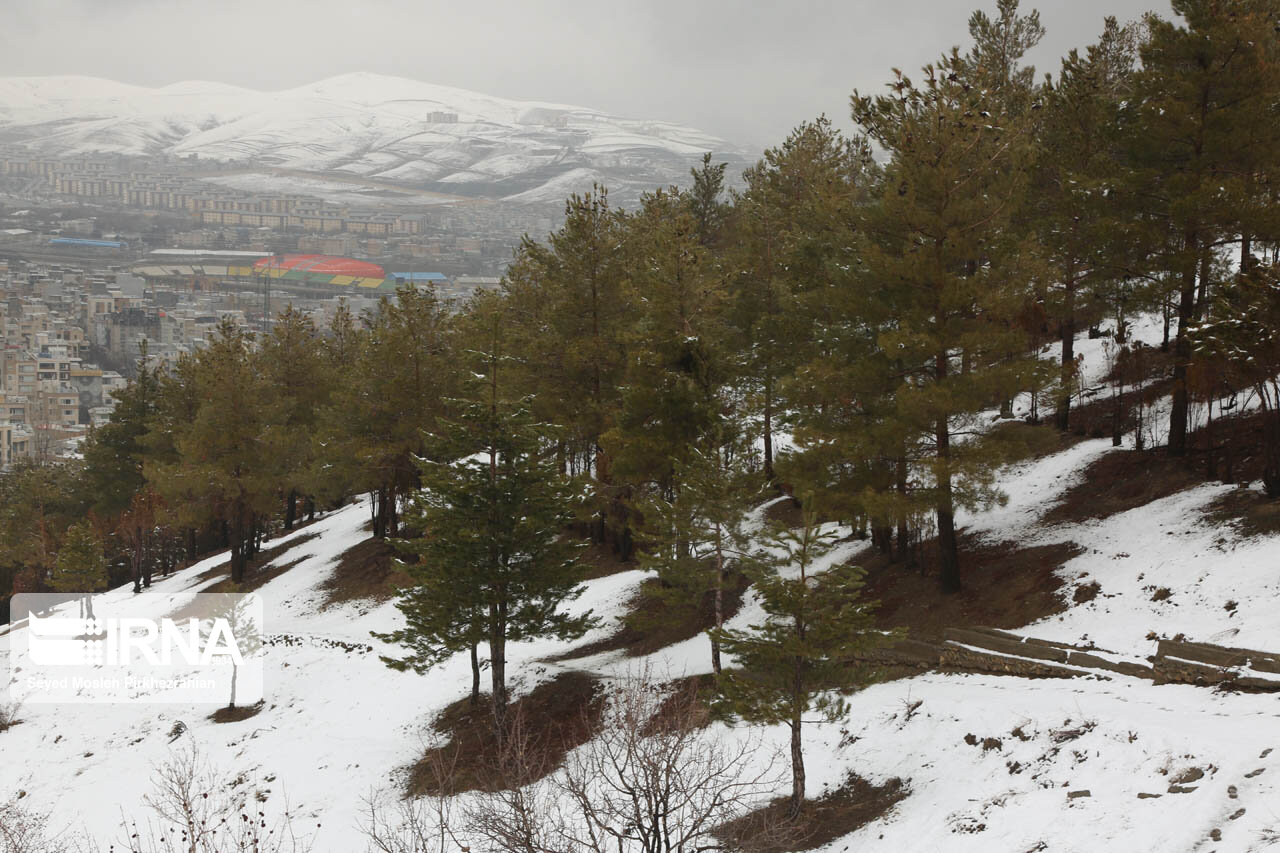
991,763
373,126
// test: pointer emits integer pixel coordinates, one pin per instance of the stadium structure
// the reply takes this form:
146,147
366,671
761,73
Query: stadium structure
327,273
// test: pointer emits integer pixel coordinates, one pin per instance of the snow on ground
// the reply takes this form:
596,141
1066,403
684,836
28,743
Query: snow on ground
991,763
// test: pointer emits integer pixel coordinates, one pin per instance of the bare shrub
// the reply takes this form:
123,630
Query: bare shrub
10,715
198,810
654,779
425,825
23,830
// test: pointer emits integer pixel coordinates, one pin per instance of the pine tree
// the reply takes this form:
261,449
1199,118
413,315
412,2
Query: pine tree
493,562
790,256
699,537
951,277
228,456
1075,195
704,199
114,452
80,566
569,311
292,361
676,381
1241,341
805,652
1204,116
37,505
403,370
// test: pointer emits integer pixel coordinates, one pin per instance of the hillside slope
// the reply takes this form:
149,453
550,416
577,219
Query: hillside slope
990,763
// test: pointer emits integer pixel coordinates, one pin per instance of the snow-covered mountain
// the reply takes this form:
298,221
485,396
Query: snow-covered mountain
389,128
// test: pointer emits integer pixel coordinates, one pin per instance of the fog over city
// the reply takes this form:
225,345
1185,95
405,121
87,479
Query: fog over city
748,72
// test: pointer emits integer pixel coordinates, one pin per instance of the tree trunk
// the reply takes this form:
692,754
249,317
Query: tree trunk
904,529
145,558
1067,332
948,550
235,671
1202,297
1271,453
498,665
768,429
1182,354
290,509
797,769
719,605
475,674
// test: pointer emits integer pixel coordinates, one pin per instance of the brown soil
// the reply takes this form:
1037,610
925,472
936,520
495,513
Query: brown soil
366,571
686,704
601,560
1120,481
652,624
236,714
1096,417
553,719
255,577
1229,451
1253,513
838,813
1005,586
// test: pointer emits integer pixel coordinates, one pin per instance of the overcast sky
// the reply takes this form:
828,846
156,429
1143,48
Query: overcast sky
747,71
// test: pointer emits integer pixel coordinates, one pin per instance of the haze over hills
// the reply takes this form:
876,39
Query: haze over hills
365,125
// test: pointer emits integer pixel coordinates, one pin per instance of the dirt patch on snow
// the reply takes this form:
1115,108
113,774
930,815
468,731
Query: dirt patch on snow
1120,481
834,815
366,571
545,725
652,623
236,714
258,571
1005,586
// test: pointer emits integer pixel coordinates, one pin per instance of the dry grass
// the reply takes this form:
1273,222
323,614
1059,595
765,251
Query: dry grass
366,571
558,716
1120,481
236,714
836,814
255,577
652,623
1005,586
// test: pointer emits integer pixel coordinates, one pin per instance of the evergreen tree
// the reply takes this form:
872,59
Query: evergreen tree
790,258
1241,341
114,452
569,311
951,276
403,371
699,537
676,382
999,45
292,362
1076,198
37,505
80,566
1205,118
704,199
228,456
493,560
805,652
